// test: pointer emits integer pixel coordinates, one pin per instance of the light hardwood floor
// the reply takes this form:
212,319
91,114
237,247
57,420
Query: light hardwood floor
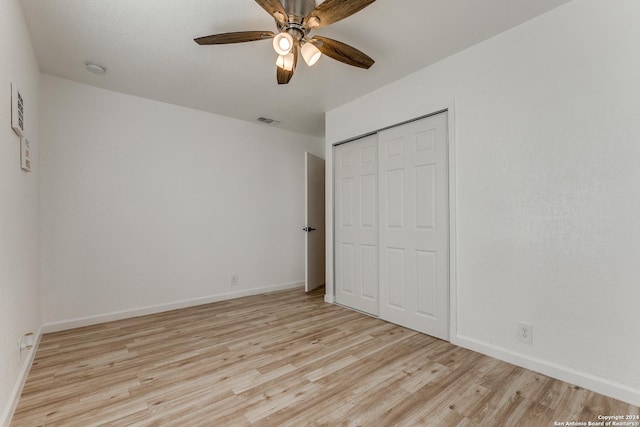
284,359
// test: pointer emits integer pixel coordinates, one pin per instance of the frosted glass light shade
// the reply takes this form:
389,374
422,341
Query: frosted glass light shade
285,61
310,53
283,43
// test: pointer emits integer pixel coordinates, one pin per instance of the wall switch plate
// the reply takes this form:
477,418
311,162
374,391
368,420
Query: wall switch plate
525,333
234,280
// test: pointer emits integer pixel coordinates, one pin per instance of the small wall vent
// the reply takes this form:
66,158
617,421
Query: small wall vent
268,121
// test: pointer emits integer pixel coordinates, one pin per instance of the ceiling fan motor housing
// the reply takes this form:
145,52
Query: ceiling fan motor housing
298,8
297,11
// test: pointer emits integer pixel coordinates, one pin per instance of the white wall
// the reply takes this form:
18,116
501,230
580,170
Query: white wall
547,161
19,254
148,206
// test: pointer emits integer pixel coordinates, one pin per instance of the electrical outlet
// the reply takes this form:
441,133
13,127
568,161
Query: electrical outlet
234,280
525,333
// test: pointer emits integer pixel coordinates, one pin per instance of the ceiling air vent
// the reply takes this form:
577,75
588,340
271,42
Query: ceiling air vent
268,121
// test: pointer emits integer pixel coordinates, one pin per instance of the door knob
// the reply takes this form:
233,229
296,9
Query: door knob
308,229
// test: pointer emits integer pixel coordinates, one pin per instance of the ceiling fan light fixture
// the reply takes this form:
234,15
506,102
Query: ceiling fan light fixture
294,20
310,53
283,43
285,61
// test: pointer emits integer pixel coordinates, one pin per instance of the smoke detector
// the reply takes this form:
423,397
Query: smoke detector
95,68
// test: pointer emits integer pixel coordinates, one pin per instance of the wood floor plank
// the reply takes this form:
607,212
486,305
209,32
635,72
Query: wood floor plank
283,359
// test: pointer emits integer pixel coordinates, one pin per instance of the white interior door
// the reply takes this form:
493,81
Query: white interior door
414,225
356,224
315,231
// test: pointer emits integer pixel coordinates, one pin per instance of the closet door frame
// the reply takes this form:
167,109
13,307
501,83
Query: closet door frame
451,137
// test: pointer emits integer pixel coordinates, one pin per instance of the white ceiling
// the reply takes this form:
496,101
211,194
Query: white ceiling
148,48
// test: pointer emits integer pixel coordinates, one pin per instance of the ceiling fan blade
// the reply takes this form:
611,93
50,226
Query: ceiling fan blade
239,37
343,52
284,76
274,8
331,11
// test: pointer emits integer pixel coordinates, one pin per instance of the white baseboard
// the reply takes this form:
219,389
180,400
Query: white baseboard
14,397
142,311
590,382
329,299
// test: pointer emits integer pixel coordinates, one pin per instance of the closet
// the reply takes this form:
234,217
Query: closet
391,225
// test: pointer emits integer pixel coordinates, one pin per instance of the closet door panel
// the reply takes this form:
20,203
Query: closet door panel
356,224
414,232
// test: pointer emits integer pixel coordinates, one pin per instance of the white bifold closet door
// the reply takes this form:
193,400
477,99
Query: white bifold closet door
392,225
356,224
414,225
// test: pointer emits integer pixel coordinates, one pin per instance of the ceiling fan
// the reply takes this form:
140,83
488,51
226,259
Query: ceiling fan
295,19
